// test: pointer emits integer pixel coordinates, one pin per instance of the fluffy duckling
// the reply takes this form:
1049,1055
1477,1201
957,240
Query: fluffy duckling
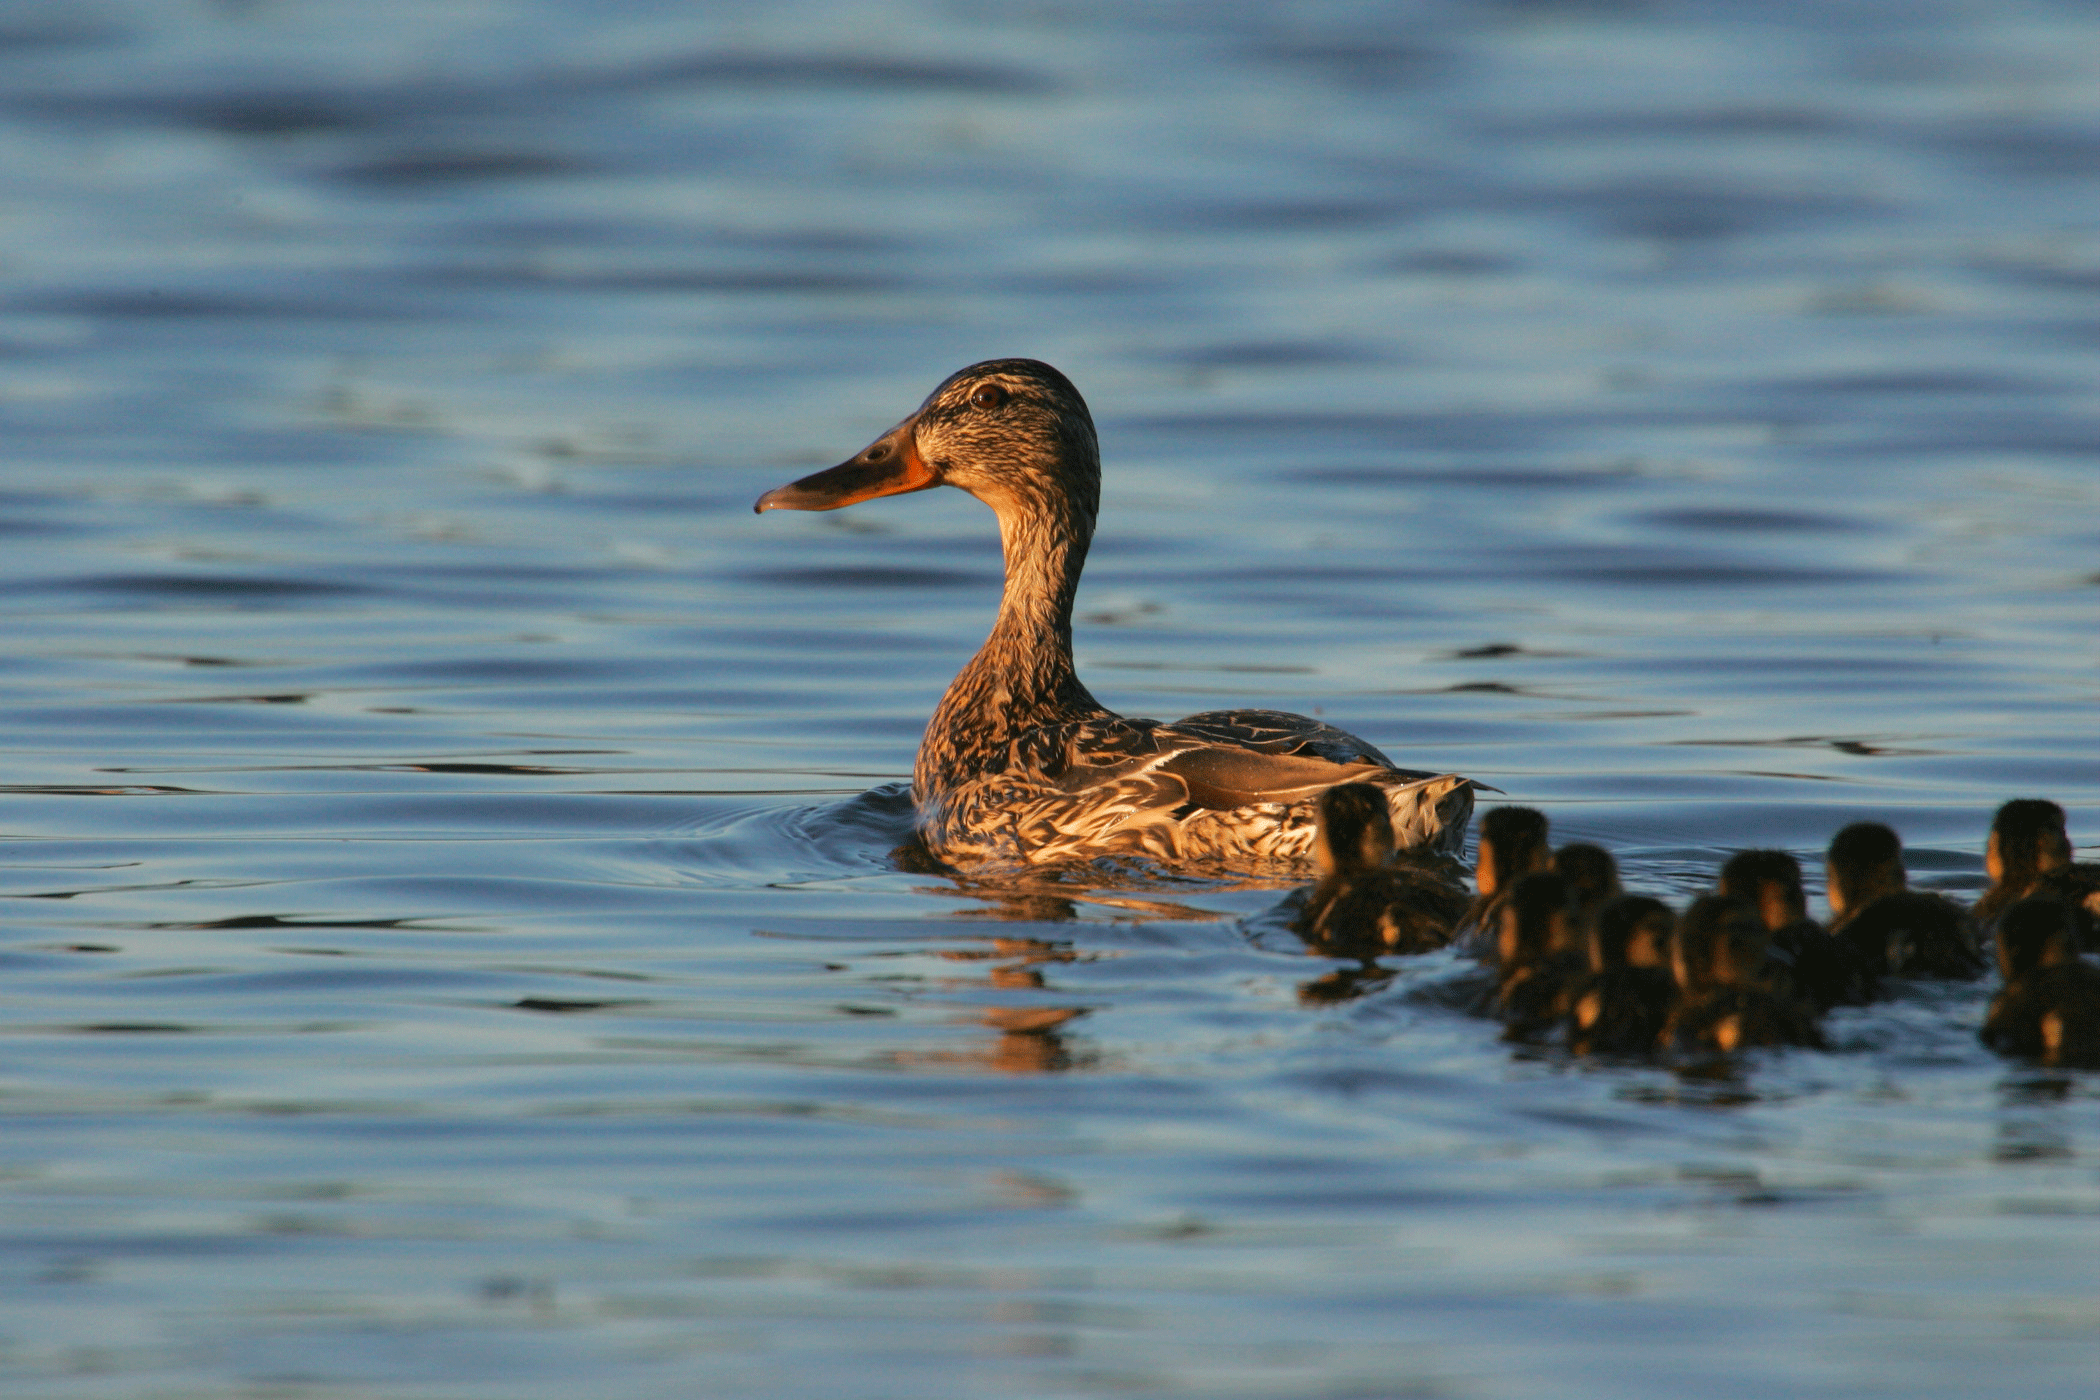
1622,1006
1805,958
1537,957
1512,845
1365,903
1593,881
2049,1009
2029,853
1718,957
1889,927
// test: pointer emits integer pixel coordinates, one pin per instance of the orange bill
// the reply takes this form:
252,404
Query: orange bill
888,466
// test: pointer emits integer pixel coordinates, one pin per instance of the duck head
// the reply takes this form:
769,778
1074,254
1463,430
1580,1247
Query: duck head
1013,433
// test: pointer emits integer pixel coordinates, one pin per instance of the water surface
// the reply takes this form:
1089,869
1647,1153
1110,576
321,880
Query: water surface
451,942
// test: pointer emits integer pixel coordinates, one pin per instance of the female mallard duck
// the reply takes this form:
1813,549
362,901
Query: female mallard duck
1020,765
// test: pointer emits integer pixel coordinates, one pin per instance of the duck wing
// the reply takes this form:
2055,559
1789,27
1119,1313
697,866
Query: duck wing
1202,767
1278,732
1223,778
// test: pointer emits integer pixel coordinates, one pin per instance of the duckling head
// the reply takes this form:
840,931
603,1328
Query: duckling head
1768,880
1720,942
1355,831
1534,922
1512,845
1864,862
1013,433
2028,838
1591,873
1630,931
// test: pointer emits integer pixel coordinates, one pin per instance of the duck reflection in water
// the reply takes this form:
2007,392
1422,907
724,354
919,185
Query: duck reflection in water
2049,1009
1031,1039
1059,900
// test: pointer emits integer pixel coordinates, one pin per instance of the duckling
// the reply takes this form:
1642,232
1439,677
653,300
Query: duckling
1593,881
1813,965
1537,959
1891,928
1369,899
1512,845
1718,957
2029,853
2049,1009
1622,1006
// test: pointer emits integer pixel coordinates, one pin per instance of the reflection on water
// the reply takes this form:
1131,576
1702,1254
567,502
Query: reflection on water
452,938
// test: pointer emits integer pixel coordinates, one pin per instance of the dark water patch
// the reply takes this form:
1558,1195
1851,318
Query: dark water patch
1290,215
847,72
286,698
1358,1080
1452,262
1751,520
1275,355
1689,212
1664,569
35,28
486,670
567,1006
272,115
1492,651
1858,748
1482,478
1361,63
413,170
19,526
1931,383
672,280
134,1028
90,790
873,577
293,921
151,304
1696,123
237,590
525,770
1966,433
2076,279
1098,282
2027,151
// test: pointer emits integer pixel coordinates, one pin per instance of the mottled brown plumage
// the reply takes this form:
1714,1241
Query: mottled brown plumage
1020,765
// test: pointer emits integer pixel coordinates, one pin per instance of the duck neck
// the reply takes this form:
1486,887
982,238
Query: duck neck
1022,676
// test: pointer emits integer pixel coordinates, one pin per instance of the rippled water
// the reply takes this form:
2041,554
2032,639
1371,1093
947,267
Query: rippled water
451,946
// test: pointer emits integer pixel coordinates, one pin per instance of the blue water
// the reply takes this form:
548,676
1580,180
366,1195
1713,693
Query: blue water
450,944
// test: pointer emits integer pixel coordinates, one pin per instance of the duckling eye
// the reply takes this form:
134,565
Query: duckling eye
988,396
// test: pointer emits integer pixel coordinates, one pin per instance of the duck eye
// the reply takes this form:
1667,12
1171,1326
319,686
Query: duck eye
988,396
